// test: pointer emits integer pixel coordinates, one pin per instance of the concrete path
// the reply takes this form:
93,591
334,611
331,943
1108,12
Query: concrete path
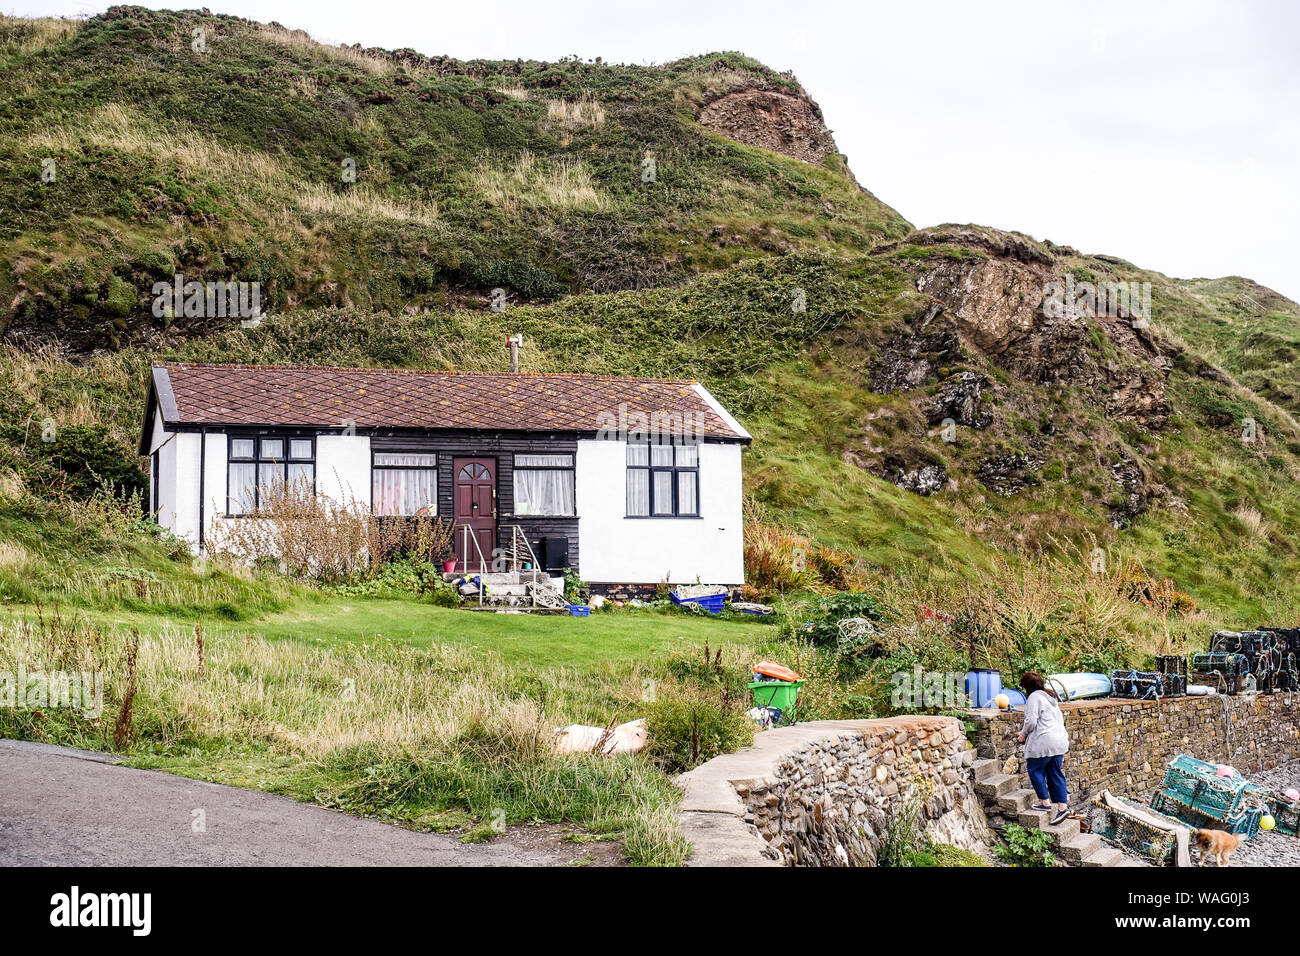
62,807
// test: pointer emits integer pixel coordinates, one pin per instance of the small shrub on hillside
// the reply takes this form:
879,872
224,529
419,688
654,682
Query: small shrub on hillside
944,855
402,577
688,724
824,630
775,560
78,460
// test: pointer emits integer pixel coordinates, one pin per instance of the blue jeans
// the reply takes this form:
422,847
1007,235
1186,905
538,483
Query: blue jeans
1046,775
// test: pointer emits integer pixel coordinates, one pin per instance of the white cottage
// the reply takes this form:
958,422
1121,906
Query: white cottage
627,481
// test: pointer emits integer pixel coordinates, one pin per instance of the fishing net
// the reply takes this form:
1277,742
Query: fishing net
688,591
1225,672
1285,812
1146,685
1172,664
1264,654
1194,792
1150,836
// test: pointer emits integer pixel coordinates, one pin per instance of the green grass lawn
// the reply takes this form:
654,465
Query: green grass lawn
535,641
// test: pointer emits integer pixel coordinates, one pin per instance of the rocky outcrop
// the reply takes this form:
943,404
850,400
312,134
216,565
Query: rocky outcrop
996,242
1132,484
996,307
914,355
924,480
958,402
782,122
1007,475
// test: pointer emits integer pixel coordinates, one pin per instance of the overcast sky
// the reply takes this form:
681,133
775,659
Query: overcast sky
1163,132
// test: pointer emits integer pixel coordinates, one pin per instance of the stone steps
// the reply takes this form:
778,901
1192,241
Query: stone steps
1006,800
1106,856
1079,847
496,579
1016,801
996,786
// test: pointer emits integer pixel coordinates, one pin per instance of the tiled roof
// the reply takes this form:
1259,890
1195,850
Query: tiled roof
200,394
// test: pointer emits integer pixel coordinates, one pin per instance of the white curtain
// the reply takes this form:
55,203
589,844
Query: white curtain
243,487
404,491
638,492
543,492
663,492
686,493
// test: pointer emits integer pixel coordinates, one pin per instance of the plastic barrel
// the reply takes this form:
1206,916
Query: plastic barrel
983,685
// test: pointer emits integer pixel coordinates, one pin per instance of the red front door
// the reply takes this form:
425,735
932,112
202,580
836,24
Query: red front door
475,505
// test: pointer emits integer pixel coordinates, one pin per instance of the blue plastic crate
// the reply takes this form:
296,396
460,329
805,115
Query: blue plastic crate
579,610
710,602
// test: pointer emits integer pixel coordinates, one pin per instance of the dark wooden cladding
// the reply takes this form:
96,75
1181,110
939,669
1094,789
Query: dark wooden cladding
503,447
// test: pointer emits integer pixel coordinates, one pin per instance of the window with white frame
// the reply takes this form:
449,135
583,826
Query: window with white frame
258,466
663,481
404,483
544,485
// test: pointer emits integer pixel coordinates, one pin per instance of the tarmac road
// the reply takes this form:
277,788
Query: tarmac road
62,807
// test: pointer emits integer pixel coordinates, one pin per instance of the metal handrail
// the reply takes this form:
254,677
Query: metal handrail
517,533
482,562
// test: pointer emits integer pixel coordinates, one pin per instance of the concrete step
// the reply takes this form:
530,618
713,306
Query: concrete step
987,768
498,578
1038,820
1104,856
505,590
992,787
1016,800
1078,847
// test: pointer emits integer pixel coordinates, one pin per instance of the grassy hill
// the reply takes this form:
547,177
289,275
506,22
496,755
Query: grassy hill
1071,491
465,176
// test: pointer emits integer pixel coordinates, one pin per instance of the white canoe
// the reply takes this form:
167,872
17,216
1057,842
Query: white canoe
1079,686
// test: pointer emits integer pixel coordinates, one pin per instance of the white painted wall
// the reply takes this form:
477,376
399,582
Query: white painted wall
616,549
342,474
165,480
185,505
343,468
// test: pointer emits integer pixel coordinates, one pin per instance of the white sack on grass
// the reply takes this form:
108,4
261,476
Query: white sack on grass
579,738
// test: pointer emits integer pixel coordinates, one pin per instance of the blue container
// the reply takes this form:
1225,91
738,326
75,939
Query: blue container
1015,697
579,610
711,603
983,685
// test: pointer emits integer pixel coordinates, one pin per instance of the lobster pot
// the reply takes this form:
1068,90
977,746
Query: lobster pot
1263,650
1172,664
1133,834
1224,671
1146,685
1286,813
1287,655
1195,794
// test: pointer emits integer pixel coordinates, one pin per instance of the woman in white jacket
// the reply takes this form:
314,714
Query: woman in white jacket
1046,744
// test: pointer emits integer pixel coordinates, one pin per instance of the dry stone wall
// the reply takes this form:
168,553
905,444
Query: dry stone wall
1123,745
823,793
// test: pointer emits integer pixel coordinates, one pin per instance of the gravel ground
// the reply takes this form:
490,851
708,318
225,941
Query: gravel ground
1270,848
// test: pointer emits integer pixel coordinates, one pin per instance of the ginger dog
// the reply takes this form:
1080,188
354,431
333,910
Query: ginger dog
1217,844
